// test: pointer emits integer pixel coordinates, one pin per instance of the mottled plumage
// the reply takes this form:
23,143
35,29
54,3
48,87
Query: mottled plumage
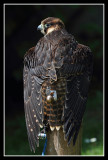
58,65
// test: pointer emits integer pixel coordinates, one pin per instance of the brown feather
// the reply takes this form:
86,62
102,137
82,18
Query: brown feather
58,63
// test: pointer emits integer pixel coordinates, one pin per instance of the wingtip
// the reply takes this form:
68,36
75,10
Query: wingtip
52,128
58,128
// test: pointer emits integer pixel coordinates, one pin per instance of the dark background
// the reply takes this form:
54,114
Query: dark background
85,22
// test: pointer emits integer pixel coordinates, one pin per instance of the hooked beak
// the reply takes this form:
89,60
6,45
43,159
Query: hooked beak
39,27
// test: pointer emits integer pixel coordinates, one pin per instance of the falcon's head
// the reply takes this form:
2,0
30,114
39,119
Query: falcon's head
50,24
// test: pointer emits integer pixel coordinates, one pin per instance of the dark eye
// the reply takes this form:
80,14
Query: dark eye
47,25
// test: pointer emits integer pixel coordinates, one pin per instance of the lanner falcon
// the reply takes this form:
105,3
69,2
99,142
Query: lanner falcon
57,73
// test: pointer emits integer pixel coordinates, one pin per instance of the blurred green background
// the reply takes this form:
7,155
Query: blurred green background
85,22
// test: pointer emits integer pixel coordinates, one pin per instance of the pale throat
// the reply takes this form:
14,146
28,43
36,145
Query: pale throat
51,29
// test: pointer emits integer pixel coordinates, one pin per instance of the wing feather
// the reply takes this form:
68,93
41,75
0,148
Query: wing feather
34,74
78,75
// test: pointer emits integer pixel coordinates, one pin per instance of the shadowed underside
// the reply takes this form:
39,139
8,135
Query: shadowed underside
59,67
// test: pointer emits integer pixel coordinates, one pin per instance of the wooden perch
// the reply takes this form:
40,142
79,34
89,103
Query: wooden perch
56,145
